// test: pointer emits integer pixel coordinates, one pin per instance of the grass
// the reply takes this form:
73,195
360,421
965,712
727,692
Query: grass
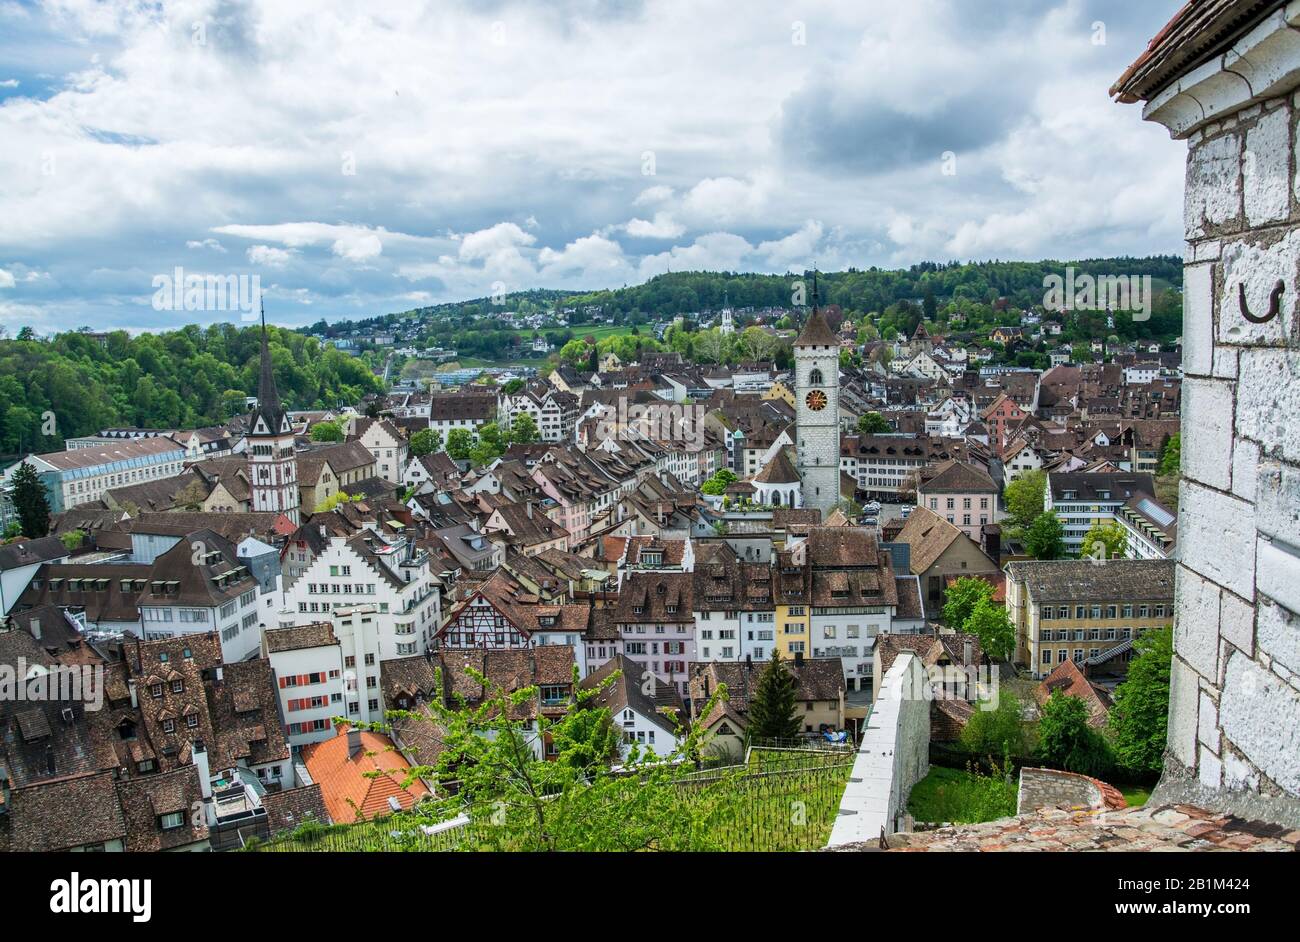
958,797
1135,795
600,333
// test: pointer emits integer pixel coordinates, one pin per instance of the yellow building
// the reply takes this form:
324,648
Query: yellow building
780,390
1079,609
790,596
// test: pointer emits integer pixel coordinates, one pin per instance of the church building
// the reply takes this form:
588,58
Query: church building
272,464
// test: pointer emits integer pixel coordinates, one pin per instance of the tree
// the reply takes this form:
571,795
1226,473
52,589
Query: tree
513,386
1045,538
459,443
1105,541
29,501
961,599
72,539
771,707
1140,716
1172,455
327,432
1025,498
873,423
329,503
523,429
521,801
990,622
718,483
997,732
1066,741
575,352
425,442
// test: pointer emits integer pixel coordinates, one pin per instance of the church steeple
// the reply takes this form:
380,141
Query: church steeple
272,465
269,409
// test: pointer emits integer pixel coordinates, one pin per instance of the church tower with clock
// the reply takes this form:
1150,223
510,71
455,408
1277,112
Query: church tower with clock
817,412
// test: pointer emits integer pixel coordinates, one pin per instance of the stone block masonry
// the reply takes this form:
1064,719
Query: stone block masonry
1234,723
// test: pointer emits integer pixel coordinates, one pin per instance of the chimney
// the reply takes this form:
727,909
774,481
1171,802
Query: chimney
528,505
354,743
749,662
966,651
36,628
199,752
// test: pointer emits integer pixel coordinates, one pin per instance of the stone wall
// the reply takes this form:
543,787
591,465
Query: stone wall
894,756
1234,719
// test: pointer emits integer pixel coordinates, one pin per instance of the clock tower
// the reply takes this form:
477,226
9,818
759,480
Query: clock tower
817,412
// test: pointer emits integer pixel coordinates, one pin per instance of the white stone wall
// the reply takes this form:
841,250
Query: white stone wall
1234,719
894,756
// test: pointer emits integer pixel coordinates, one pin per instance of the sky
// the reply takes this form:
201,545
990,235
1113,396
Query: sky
366,158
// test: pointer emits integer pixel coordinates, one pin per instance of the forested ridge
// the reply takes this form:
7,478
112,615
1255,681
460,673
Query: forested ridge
186,378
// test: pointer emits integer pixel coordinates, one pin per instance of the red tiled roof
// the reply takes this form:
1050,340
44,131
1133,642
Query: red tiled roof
345,786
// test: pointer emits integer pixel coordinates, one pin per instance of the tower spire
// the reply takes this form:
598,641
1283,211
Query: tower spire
268,397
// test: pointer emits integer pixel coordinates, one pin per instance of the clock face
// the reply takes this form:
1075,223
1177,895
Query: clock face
816,400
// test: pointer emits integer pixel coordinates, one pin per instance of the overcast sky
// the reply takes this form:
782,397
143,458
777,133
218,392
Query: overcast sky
372,157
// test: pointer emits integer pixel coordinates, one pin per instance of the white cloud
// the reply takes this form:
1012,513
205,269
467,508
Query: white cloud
651,195
264,256
6,279
212,244
663,227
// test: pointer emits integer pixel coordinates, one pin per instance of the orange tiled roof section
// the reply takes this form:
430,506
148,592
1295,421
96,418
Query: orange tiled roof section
344,784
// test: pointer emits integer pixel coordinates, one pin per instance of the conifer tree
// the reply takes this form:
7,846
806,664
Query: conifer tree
771,708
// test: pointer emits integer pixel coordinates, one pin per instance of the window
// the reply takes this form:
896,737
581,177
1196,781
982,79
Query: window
178,686
169,726
156,690
171,821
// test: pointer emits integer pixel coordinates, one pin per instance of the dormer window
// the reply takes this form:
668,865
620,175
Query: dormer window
178,686
156,691
169,726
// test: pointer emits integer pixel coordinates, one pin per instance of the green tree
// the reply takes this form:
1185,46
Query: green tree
329,503
513,386
327,432
73,539
29,501
1025,498
1105,541
961,599
990,622
523,429
873,423
425,442
1045,538
575,803
1140,716
575,353
719,482
1066,741
459,443
771,706
999,731
1172,455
